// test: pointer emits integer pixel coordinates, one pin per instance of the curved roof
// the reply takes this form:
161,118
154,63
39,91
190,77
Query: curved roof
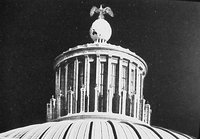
93,128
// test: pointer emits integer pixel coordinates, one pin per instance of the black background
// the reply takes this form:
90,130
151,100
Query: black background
165,34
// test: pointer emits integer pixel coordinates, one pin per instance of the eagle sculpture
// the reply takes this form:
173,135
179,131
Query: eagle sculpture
101,11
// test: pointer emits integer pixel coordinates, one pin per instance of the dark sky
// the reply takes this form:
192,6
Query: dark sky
165,34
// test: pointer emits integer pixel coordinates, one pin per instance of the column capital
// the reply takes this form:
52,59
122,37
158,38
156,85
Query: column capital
120,58
66,66
86,56
98,55
109,56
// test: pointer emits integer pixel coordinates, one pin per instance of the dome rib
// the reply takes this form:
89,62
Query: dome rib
145,132
105,130
65,134
152,130
168,132
113,129
58,132
123,128
137,133
87,130
82,130
90,131
97,132
133,135
93,128
119,131
44,133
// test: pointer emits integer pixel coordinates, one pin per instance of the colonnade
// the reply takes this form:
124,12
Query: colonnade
99,83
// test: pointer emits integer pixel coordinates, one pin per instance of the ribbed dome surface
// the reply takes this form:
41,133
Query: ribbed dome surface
93,128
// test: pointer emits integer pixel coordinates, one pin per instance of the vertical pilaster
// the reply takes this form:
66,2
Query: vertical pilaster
98,71
51,110
109,91
143,108
134,105
149,116
86,80
75,84
58,93
129,77
96,100
71,97
129,86
56,85
119,84
138,94
141,85
59,105
70,101
52,107
97,82
66,88
82,108
138,83
48,113
131,106
124,102
137,108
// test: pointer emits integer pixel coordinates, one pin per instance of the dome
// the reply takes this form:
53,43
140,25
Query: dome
100,30
94,126
98,94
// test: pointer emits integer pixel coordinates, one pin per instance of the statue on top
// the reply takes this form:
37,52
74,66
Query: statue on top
101,11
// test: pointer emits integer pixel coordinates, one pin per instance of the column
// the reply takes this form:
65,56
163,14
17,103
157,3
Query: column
62,91
58,93
52,107
138,93
147,111
134,105
143,105
149,116
142,84
123,102
71,97
56,87
82,108
97,83
59,105
70,101
129,77
120,88
75,84
66,74
137,108
57,81
87,80
48,112
129,86
96,100
109,92
138,82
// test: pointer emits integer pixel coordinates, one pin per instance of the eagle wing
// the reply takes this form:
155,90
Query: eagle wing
109,11
93,10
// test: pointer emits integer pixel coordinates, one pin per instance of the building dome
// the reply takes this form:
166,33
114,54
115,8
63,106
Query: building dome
93,126
98,94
